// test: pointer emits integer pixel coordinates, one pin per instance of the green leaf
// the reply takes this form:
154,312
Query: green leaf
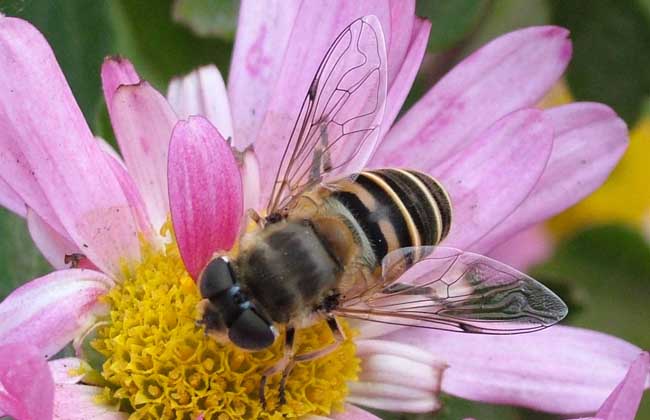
20,261
80,35
611,54
208,18
160,48
451,20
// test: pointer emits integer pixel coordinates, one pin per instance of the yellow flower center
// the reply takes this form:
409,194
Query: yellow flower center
160,364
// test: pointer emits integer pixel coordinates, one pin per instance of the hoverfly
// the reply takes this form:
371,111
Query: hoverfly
337,241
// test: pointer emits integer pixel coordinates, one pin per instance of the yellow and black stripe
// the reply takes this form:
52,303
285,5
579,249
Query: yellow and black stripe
397,208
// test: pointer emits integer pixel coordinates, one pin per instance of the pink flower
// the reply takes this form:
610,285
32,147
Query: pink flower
507,166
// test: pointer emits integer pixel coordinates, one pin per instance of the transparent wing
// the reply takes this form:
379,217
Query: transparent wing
338,125
448,289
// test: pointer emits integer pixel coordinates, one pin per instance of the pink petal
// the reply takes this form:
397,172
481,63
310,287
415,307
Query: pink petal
11,200
368,330
489,179
78,402
354,413
26,385
250,174
263,32
400,85
117,71
63,175
276,44
624,401
143,123
362,110
525,249
589,141
202,92
564,370
133,196
396,377
512,72
50,311
392,398
53,246
205,192
110,151
384,369
65,371
399,34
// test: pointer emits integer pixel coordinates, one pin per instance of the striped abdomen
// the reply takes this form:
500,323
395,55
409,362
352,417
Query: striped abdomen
396,208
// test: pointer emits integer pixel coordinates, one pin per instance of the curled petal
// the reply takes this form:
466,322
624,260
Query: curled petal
58,167
50,311
589,141
398,364
205,192
66,370
392,397
79,402
489,179
564,370
353,413
397,377
143,121
117,71
26,385
350,412
202,92
11,200
250,173
470,98
623,402
52,245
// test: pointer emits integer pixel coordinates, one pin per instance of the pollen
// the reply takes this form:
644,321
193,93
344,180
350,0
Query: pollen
158,363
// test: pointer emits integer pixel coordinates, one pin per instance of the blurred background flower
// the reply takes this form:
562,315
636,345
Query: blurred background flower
596,254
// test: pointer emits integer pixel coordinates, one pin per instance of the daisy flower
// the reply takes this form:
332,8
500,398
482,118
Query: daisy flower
131,305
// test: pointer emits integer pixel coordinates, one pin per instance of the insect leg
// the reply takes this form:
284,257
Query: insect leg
339,337
281,365
255,217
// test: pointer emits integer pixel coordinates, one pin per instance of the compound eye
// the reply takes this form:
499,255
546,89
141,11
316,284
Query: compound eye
217,277
251,332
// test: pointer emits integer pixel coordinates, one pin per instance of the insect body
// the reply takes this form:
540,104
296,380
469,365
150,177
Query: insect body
340,241
331,242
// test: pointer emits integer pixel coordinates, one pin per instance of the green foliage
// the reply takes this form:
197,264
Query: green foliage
80,35
451,20
159,48
20,261
611,56
508,15
216,18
